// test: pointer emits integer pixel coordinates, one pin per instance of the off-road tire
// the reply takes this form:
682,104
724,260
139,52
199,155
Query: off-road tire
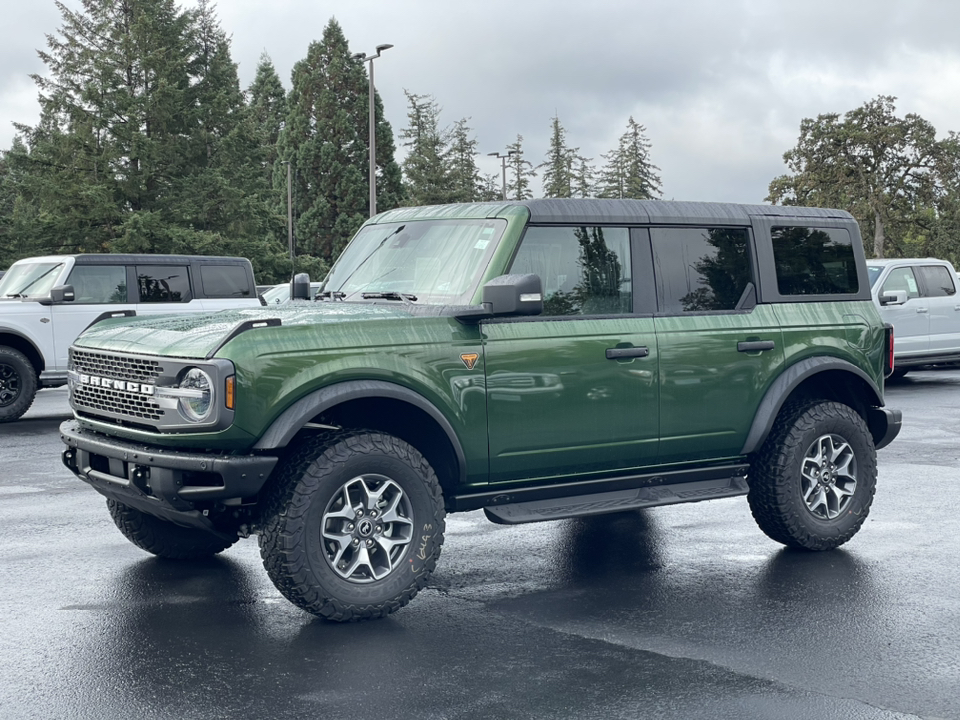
163,538
317,475
776,485
18,384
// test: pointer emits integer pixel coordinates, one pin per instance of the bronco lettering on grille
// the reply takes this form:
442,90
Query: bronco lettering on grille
110,384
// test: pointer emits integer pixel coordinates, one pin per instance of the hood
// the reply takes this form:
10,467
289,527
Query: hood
196,335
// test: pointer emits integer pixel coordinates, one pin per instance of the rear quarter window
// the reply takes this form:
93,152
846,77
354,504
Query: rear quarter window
225,281
814,261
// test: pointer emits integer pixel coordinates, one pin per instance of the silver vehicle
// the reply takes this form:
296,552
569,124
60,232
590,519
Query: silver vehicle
918,296
46,302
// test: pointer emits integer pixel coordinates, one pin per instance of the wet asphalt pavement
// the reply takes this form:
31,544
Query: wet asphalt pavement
678,612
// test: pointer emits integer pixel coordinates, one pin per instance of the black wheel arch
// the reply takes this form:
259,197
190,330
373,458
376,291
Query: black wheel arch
827,378
24,345
376,405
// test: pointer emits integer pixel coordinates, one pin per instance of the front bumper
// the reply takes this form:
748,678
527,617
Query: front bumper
181,487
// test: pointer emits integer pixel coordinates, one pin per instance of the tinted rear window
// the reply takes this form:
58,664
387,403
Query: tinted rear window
937,281
163,283
221,281
814,261
700,269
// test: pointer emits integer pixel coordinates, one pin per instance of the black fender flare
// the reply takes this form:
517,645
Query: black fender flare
292,420
786,383
26,339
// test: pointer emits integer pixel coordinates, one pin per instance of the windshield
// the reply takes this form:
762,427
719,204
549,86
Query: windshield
30,280
437,262
873,272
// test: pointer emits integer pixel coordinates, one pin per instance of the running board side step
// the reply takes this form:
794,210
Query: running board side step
616,501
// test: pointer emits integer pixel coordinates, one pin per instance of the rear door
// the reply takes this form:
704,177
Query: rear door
718,348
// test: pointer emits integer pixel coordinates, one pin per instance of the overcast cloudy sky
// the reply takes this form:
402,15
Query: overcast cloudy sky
721,86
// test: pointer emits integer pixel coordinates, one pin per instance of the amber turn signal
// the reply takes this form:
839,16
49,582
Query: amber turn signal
230,395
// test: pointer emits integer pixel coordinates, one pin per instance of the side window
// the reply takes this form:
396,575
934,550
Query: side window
814,261
901,278
700,269
222,281
163,283
584,270
99,284
937,281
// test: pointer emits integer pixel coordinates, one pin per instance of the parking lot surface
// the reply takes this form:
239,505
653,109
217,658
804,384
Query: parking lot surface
678,612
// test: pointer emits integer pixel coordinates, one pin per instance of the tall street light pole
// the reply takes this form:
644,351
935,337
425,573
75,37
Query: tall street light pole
503,167
373,128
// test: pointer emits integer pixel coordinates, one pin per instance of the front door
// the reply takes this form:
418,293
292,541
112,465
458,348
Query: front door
97,289
574,390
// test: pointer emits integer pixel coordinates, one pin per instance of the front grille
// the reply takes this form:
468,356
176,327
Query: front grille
118,367
111,401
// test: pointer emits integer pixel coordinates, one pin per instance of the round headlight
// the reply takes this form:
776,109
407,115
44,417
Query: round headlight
199,404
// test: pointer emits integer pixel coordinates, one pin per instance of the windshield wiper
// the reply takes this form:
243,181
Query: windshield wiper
392,295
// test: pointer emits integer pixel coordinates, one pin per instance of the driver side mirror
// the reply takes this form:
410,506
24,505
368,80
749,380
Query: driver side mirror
514,295
62,293
893,297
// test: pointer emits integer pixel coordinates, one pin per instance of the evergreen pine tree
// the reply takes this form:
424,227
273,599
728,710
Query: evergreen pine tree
629,172
466,183
518,187
583,177
558,167
268,106
325,137
429,178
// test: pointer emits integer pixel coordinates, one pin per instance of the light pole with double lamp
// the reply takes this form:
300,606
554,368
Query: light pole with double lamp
503,167
373,128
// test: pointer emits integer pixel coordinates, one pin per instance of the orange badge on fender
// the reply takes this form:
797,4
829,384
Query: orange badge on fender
470,360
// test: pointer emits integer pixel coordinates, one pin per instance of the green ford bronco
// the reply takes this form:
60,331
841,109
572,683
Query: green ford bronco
537,360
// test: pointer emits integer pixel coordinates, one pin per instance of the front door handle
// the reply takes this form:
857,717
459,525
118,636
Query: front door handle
618,353
921,310
754,345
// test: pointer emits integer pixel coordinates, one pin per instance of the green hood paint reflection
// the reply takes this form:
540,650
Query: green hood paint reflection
197,334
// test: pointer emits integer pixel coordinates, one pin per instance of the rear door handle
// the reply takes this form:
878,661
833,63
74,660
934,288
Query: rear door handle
627,352
922,310
754,345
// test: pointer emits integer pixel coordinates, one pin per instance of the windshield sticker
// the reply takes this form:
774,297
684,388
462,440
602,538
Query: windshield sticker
481,244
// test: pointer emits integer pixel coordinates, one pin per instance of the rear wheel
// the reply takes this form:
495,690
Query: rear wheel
163,538
18,384
353,526
812,482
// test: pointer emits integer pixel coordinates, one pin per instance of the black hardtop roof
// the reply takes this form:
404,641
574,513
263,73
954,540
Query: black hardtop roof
147,259
610,211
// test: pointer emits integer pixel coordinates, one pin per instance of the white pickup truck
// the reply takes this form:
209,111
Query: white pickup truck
45,302
918,296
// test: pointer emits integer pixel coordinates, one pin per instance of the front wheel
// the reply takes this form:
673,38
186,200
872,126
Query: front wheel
812,482
18,384
353,525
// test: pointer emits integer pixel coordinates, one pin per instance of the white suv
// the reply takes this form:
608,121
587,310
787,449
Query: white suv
45,302
918,296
